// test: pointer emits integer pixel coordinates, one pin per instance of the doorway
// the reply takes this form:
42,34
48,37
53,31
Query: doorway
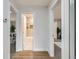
57,30
28,32
12,32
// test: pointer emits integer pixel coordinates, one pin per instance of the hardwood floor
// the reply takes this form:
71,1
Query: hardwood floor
31,55
37,55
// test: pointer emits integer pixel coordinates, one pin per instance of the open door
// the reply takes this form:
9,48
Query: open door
6,29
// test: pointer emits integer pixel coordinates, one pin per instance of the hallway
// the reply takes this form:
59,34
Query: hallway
34,30
43,35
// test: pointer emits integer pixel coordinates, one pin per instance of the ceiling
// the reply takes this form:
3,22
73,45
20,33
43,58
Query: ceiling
22,3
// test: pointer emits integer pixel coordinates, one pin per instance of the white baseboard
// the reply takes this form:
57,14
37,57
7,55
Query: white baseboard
19,50
50,54
39,50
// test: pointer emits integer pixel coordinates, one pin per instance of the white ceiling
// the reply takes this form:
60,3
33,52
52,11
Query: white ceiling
22,3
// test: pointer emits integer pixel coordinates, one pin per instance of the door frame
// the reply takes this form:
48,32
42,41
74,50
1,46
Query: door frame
22,23
65,29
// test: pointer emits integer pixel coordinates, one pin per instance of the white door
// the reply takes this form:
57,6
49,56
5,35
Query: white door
6,29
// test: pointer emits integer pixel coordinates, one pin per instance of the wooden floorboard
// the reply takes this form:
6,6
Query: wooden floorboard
31,55
37,54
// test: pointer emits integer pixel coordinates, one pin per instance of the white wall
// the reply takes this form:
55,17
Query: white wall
41,27
18,32
51,33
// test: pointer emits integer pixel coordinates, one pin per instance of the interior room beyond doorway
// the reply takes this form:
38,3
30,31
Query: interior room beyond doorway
28,31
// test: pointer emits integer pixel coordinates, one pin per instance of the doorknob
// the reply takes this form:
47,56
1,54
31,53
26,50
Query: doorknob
5,20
